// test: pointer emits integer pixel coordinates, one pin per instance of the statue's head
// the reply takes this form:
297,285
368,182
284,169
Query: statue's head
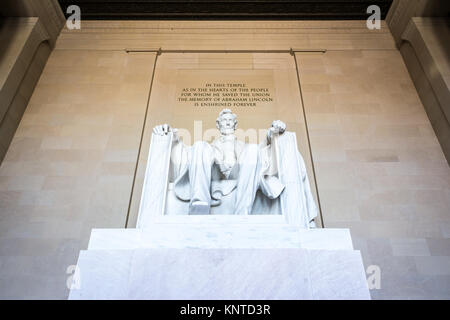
226,122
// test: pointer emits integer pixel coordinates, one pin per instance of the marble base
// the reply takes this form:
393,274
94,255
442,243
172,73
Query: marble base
202,235
220,257
221,274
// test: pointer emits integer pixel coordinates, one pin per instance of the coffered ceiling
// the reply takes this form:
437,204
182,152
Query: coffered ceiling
226,9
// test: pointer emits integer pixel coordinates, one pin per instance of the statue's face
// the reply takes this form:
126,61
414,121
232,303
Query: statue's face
227,123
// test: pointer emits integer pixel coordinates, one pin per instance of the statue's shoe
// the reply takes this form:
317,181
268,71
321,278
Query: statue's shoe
199,207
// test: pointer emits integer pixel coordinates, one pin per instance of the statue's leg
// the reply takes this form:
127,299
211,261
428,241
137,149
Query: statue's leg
200,178
248,178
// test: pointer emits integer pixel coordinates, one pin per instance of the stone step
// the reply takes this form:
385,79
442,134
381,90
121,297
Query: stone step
191,274
214,235
220,219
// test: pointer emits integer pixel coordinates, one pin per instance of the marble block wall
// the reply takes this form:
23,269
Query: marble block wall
48,12
421,31
23,54
425,50
27,36
70,166
379,167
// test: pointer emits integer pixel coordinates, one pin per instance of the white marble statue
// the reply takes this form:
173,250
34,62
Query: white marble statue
229,176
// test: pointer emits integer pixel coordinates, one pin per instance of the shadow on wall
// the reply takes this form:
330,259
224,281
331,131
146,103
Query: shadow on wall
440,8
6,37
16,108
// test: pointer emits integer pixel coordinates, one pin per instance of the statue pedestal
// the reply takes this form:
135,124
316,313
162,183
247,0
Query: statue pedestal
220,257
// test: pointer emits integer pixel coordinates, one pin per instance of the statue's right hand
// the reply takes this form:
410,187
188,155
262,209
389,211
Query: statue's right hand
162,129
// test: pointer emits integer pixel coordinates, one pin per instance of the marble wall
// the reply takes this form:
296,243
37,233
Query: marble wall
27,35
401,12
174,72
379,167
421,31
70,166
24,52
48,12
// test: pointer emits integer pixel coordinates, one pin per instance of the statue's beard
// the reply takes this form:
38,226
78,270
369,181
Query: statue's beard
226,131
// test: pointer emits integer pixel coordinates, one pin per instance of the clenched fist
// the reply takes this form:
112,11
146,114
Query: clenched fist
278,126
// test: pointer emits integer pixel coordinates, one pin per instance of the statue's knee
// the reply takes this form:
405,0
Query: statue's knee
203,150
201,145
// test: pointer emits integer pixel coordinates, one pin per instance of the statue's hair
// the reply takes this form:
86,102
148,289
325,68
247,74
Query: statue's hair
226,111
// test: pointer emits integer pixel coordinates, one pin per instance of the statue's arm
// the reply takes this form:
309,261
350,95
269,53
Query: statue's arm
179,153
278,127
164,129
269,155
268,150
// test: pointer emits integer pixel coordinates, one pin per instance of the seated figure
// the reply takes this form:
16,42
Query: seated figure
206,175
229,176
